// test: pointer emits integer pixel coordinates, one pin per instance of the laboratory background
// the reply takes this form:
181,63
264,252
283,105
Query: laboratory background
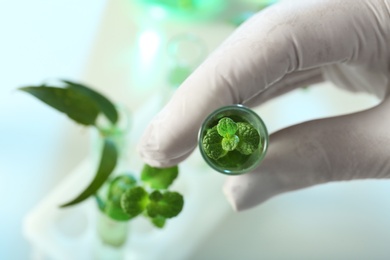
137,52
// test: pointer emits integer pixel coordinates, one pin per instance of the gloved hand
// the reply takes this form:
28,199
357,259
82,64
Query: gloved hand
286,46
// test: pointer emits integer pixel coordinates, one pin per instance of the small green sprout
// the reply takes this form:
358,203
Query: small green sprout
167,205
226,127
159,178
228,136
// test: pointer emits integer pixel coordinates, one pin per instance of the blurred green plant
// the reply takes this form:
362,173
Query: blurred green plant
126,197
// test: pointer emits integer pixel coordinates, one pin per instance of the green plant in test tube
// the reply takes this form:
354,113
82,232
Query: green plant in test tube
233,140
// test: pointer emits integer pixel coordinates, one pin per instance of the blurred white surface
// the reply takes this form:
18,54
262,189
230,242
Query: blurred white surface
334,221
40,40
104,45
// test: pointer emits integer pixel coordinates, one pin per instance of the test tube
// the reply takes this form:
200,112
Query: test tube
237,161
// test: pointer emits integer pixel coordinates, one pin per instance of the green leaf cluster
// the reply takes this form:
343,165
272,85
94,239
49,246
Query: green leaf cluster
227,128
227,137
126,199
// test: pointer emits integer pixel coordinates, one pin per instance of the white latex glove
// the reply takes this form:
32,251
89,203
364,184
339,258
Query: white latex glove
286,46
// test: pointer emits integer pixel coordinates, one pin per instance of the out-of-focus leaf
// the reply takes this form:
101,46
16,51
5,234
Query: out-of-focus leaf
69,101
119,185
134,201
158,221
105,105
168,204
159,178
107,165
79,102
115,212
116,187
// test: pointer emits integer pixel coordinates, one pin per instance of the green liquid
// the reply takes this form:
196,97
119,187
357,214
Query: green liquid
233,159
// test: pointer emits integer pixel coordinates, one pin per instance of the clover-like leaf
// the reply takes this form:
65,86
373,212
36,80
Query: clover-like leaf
226,127
168,204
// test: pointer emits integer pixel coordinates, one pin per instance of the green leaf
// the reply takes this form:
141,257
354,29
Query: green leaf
75,104
159,178
105,105
107,165
168,204
158,221
212,144
226,127
249,138
134,201
229,144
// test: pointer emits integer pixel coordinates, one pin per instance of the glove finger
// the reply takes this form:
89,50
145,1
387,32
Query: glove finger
153,156
292,81
287,37
355,146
